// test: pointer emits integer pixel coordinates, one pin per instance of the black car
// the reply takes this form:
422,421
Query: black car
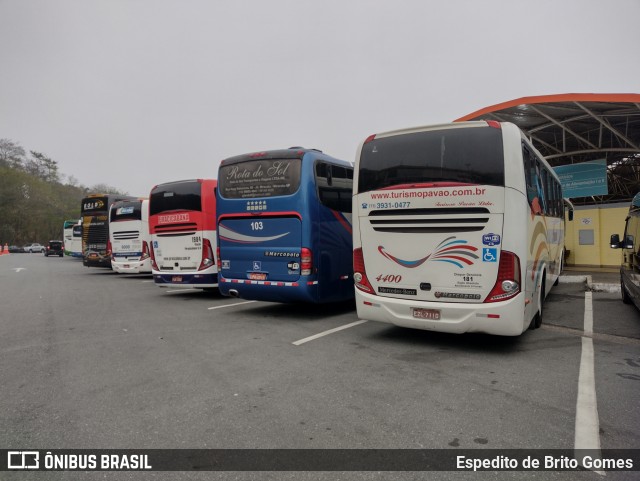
54,248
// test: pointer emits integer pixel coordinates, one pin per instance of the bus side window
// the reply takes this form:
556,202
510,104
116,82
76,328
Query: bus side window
334,186
533,182
541,187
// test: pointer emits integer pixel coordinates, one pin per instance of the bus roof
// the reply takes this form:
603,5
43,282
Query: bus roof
178,182
290,153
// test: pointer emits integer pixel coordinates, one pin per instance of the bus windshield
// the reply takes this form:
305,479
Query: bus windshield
176,196
259,178
461,155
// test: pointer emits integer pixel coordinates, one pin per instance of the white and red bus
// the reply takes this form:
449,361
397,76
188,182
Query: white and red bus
182,223
457,228
129,237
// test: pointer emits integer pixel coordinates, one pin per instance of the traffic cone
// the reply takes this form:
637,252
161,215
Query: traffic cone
6,249
1,250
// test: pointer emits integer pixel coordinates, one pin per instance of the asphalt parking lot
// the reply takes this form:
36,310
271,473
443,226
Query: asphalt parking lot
91,359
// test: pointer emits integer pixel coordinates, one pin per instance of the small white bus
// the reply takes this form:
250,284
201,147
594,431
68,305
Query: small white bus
129,238
457,228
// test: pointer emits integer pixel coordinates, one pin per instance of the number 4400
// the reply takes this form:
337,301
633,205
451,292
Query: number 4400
389,278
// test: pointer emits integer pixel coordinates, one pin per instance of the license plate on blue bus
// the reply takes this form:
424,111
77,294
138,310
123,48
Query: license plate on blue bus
431,314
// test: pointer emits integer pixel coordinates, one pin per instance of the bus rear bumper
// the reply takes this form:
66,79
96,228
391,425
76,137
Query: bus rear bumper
498,318
198,281
274,291
133,267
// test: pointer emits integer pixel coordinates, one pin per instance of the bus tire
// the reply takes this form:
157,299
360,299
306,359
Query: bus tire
537,319
557,281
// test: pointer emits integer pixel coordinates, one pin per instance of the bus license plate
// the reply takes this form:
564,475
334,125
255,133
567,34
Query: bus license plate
257,276
432,314
176,279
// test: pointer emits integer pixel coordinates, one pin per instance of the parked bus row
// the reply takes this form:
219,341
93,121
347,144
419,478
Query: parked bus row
456,227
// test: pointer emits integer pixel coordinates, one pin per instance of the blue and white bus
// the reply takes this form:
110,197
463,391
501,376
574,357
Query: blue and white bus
284,227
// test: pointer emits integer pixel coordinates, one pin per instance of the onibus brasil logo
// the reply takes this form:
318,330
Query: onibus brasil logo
450,250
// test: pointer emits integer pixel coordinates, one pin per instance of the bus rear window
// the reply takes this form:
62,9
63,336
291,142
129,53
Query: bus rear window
94,204
259,178
176,196
126,211
471,155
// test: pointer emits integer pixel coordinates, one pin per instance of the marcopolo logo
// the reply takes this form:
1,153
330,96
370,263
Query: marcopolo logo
23,460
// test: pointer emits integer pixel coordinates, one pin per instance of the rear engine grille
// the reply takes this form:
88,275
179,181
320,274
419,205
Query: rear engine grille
126,234
416,221
180,227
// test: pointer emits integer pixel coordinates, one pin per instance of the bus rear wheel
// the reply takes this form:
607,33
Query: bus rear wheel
536,322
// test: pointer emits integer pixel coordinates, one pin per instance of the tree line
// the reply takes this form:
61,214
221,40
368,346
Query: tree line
35,197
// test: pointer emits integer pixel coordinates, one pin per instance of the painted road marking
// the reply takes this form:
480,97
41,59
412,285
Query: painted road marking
18,269
588,313
597,336
231,305
326,333
587,430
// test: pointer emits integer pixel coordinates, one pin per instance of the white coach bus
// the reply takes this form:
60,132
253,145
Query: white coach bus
129,238
456,228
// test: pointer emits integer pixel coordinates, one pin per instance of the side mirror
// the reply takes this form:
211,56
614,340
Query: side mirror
628,242
615,241
570,214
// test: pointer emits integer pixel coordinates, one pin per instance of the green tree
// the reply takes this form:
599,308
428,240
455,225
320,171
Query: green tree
11,154
42,166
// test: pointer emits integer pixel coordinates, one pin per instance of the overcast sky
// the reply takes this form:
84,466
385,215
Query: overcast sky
133,93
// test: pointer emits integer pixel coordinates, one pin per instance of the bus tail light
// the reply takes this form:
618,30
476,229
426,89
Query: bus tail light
306,262
359,272
109,252
218,258
145,250
207,255
154,266
508,283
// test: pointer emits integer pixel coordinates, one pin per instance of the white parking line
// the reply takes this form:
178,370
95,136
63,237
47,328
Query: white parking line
326,333
231,305
587,430
588,313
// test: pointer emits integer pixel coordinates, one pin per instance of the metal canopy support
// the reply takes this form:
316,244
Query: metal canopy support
575,128
608,126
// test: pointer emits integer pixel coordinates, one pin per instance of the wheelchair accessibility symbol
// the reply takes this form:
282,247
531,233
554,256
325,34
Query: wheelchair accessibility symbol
489,255
257,265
